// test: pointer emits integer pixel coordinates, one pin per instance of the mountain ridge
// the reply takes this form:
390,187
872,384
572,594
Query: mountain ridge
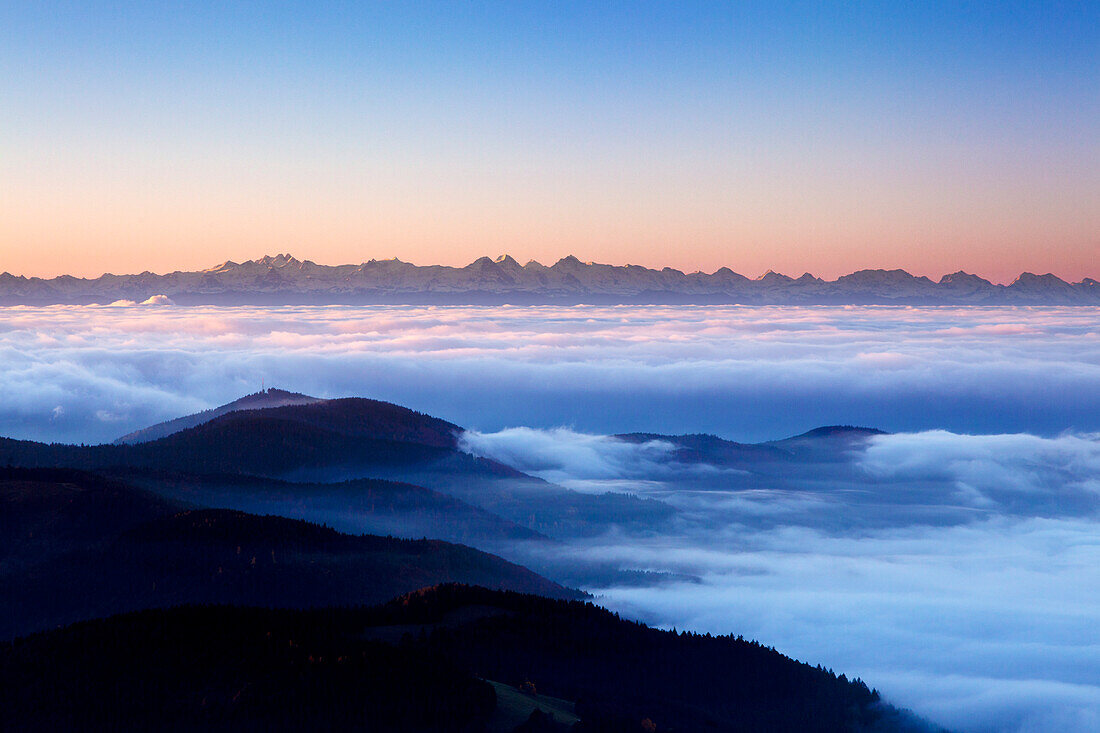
79,545
284,279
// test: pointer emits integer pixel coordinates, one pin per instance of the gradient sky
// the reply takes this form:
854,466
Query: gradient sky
794,136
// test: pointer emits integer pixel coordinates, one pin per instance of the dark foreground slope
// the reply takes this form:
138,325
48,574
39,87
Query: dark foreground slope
228,668
155,554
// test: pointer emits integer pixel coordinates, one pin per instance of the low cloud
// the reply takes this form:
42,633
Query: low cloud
982,620
577,460
740,372
983,627
989,470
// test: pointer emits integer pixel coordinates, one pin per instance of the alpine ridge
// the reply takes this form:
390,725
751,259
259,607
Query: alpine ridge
283,279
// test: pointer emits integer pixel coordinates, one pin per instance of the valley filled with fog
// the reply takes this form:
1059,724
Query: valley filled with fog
958,572
946,551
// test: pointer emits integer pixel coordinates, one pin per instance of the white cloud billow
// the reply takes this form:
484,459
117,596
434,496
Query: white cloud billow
748,373
985,624
577,460
985,467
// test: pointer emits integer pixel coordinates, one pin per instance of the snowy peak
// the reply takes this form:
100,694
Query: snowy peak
481,263
283,260
960,277
1032,288
223,267
568,262
1031,280
771,277
284,279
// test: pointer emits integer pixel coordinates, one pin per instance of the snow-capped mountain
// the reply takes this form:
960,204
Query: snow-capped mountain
285,279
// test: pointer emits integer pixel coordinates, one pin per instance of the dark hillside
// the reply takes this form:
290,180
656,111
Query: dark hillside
47,512
227,667
82,546
621,672
362,505
332,438
367,418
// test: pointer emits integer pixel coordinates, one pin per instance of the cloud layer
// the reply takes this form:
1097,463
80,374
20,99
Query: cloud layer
984,620
740,372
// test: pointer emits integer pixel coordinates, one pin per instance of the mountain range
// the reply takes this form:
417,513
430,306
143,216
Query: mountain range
283,279
244,548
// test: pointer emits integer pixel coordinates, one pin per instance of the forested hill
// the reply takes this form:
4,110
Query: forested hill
415,664
271,442
78,546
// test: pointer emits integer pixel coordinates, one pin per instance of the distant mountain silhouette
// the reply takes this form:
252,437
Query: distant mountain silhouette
702,448
834,431
829,440
101,547
283,279
414,664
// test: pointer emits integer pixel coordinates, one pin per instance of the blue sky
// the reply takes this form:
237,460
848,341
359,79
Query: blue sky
798,136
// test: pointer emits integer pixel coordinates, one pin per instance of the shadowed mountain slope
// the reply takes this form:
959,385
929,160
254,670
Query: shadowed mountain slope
229,669
46,512
219,665
274,441
361,505
155,554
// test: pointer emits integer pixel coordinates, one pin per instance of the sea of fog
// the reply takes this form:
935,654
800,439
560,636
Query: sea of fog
974,598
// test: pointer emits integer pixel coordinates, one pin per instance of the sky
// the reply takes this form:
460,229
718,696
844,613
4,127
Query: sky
774,135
